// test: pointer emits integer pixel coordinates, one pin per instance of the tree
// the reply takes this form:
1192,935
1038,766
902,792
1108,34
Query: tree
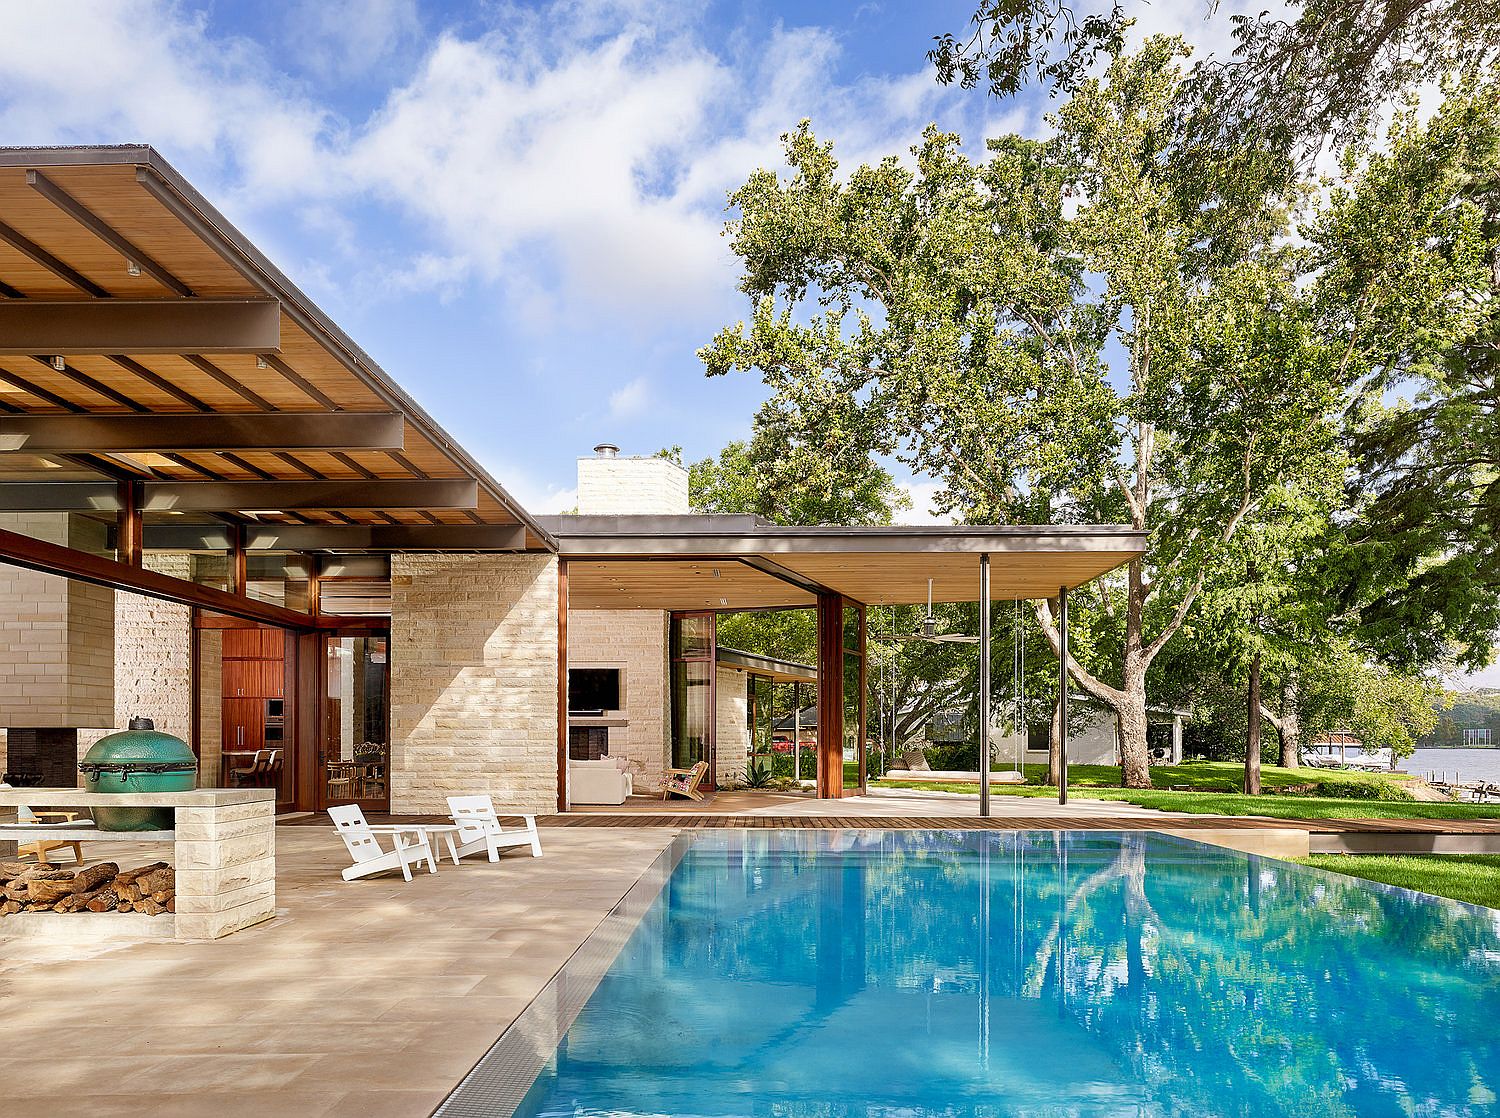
1291,82
760,478
1089,328
1415,243
1384,709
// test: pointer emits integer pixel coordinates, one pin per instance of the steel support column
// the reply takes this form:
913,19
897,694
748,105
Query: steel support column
984,685
1062,695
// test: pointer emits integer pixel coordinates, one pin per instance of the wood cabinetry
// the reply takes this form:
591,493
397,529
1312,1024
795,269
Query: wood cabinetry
254,667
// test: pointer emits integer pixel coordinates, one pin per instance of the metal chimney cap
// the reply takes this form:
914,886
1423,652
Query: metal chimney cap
606,450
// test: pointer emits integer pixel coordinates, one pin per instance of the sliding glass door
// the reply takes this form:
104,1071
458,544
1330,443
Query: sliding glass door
354,759
693,652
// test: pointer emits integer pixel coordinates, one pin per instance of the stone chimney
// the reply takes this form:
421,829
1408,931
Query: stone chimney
609,485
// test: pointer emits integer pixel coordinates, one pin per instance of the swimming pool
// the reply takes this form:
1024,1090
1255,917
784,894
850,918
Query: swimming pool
827,974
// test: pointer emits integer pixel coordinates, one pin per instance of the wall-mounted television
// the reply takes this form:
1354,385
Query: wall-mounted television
596,691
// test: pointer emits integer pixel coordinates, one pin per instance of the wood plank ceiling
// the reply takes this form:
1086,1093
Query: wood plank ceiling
62,258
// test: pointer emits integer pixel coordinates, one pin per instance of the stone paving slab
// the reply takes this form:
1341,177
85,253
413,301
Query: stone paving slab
359,999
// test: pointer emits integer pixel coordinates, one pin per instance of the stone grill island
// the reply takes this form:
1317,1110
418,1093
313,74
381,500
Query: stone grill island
222,847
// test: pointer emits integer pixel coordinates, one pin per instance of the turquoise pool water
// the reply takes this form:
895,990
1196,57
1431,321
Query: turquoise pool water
831,975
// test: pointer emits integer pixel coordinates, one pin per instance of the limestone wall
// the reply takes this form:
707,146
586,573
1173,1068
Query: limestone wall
56,635
636,642
473,680
731,726
631,487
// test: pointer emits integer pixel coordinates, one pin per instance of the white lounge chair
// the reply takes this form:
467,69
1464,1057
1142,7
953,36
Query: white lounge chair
479,828
372,858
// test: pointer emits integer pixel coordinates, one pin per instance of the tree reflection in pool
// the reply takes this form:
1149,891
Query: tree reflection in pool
836,974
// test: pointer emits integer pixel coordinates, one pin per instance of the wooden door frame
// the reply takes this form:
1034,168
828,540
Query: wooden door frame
709,781
320,783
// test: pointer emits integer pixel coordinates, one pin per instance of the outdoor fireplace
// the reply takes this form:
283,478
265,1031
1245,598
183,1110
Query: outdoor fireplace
41,758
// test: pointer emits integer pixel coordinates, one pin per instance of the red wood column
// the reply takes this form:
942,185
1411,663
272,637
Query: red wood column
830,696
130,533
562,684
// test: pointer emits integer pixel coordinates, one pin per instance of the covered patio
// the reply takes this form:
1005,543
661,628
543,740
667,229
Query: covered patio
698,567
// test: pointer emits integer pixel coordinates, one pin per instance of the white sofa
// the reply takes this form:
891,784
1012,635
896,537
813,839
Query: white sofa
598,782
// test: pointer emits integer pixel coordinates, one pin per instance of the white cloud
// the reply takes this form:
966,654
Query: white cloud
922,493
136,71
348,39
582,150
629,400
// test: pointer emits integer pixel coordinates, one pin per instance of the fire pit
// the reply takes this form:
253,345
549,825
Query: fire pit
140,759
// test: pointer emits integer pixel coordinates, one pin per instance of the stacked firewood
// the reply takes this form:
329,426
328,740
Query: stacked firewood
29,887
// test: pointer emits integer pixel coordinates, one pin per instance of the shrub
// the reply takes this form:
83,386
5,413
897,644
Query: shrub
1362,790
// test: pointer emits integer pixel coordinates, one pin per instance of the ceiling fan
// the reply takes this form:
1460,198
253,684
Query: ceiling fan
929,632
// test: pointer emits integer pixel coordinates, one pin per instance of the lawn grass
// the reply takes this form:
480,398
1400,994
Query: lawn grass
1212,788
1464,877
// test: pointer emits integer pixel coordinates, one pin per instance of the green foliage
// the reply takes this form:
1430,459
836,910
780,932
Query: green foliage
1417,242
963,317
1468,712
1293,79
760,478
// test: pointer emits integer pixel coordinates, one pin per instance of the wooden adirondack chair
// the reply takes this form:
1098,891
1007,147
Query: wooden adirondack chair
684,782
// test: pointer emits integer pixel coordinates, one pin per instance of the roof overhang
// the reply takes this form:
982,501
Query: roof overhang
742,562
124,295
781,671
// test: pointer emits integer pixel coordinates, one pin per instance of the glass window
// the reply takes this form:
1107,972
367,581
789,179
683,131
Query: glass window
692,712
356,750
281,578
693,650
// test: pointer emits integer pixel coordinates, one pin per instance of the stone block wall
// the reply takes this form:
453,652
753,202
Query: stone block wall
153,654
635,641
473,680
731,725
631,487
56,635
211,709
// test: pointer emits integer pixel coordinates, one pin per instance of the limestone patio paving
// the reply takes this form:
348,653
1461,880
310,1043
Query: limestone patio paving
370,998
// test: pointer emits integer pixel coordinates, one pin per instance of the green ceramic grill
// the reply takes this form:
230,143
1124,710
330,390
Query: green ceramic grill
140,759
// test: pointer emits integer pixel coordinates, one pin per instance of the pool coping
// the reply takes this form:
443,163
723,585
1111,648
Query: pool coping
501,1079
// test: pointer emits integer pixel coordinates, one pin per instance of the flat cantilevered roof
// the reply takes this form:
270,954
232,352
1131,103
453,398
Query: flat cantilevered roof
744,562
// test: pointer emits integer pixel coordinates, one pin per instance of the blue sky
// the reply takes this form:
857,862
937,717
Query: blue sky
516,209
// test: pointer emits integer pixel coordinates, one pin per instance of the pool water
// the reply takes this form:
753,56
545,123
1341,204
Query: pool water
824,974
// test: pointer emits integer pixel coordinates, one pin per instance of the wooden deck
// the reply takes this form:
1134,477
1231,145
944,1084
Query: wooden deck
1050,822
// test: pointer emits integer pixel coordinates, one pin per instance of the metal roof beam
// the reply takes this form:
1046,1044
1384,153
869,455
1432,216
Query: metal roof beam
139,326
337,537
38,255
59,496
384,537
126,434
358,493
101,229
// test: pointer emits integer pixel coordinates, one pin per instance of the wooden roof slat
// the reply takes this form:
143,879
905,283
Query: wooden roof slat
112,193
91,212
107,233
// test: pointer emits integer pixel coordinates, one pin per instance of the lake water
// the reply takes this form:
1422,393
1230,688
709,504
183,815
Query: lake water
1470,764
846,974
